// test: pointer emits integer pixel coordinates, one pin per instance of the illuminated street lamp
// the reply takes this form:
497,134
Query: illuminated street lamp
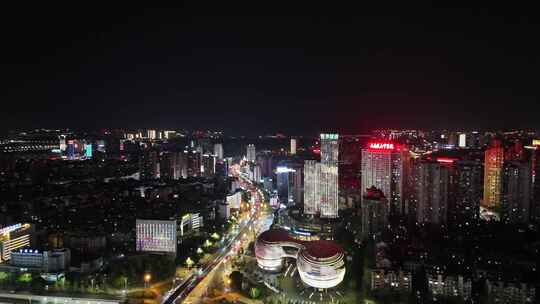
147,278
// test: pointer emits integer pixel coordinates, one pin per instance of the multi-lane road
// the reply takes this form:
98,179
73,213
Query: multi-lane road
180,292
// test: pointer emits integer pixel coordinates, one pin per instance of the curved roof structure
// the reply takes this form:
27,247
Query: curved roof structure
320,263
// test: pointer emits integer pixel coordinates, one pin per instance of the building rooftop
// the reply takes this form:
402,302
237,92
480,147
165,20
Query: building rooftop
319,249
374,194
322,249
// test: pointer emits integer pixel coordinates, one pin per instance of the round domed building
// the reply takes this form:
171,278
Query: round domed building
320,263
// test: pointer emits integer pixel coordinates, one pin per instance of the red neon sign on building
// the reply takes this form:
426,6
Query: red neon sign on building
381,146
446,160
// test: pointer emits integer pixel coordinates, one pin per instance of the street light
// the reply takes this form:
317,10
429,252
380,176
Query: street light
147,278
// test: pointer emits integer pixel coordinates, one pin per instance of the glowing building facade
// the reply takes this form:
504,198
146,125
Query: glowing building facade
251,153
293,146
13,238
493,167
156,236
312,195
383,167
218,151
329,176
320,263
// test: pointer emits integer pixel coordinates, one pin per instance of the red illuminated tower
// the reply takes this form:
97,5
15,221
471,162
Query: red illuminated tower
493,165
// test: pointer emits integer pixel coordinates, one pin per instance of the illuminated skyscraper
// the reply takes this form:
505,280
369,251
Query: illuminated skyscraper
312,195
208,165
290,184
462,143
383,167
329,175
257,173
251,153
218,151
293,146
151,134
493,165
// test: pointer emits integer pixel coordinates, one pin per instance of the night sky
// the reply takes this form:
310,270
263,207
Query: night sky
257,68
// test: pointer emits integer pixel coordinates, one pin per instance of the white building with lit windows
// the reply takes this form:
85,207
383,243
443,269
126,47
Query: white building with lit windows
329,175
321,263
156,236
383,166
251,153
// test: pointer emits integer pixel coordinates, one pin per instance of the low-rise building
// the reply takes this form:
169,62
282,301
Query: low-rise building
398,280
46,261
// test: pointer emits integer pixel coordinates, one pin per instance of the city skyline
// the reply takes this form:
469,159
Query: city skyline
227,152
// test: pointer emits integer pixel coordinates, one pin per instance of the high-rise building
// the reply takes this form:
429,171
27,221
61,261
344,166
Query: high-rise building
251,153
493,167
169,134
88,151
469,185
350,161
218,151
192,166
151,134
149,165
374,213
71,149
257,173
297,183
462,143
293,146
515,152
156,235
383,167
534,160
312,183
433,190
515,194
284,180
168,165
63,145
208,166
265,161
329,175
